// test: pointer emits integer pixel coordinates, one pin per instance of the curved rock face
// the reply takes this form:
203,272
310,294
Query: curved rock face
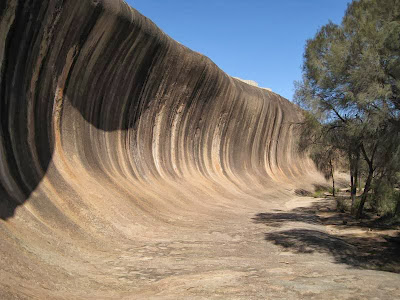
113,133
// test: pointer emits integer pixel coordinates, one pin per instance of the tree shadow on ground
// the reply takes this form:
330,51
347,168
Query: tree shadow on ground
322,212
364,249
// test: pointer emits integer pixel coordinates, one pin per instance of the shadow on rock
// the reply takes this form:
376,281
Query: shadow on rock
364,251
320,213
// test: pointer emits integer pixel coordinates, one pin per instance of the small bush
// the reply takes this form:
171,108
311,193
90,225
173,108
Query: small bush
318,194
321,190
341,204
384,199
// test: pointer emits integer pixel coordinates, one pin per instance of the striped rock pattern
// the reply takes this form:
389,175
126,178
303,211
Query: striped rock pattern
112,132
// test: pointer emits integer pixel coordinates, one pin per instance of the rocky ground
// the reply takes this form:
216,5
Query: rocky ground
303,249
300,251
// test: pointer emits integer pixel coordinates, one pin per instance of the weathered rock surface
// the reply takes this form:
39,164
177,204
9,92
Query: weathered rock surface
94,94
253,83
131,166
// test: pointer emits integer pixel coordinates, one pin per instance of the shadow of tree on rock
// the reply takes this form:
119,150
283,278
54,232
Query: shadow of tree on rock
365,253
364,250
320,213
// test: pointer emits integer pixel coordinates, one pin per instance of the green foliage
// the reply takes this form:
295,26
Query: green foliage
341,205
321,191
318,194
385,198
351,92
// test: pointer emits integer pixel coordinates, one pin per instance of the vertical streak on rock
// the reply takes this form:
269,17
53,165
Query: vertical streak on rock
110,131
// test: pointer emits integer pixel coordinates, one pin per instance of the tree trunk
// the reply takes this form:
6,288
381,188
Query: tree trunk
351,162
397,212
354,195
355,179
356,173
333,179
367,187
376,193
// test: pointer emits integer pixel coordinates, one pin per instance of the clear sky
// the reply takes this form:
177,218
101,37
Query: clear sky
261,40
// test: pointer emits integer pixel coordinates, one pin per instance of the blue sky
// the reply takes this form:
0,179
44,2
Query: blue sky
261,40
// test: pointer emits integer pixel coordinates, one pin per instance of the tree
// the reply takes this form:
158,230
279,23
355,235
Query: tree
351,84
318,143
